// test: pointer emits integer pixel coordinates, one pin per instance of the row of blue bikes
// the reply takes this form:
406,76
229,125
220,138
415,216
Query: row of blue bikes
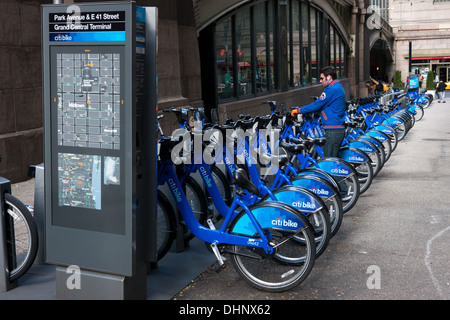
258,190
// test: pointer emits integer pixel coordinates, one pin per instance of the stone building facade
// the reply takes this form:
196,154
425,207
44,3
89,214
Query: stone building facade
426,25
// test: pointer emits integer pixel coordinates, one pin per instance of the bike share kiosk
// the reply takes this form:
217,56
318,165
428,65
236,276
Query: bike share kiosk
99,66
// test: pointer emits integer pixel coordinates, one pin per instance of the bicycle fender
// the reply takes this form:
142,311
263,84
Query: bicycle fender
269,214
300,198
317,173
377,135
318,186
374,140
336,166
353,155
385,129
392,122
361,145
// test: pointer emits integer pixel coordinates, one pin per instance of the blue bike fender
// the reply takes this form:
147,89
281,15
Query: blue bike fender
336,167
384,129
422,99
317,187
353,155
300,198
374,140
271,215
361,146
376,135
393,121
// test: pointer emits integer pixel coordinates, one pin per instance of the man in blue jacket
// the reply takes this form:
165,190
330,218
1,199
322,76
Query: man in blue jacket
331,105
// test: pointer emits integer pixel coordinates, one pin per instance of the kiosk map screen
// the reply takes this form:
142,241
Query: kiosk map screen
88,88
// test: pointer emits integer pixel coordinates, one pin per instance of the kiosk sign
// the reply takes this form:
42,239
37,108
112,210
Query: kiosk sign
88,26
96,72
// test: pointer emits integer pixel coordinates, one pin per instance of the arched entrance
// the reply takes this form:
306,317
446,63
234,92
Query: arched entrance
380,60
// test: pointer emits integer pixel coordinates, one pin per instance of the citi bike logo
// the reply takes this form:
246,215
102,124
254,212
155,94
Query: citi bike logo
337,171
63,37
278,222
355,158
320,191
304,205
176,192
207,179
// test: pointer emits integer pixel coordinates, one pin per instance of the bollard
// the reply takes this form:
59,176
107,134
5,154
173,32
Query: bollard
5,284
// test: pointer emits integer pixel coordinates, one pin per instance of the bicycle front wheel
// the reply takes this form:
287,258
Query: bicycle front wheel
165,226
22,237
287,267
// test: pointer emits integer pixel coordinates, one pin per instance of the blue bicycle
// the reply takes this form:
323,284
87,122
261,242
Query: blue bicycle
259,239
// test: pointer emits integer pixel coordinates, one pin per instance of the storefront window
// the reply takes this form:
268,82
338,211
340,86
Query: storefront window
262,52
296,43
224,60
243,53
248,61
314,51
271,37
306,49
332,48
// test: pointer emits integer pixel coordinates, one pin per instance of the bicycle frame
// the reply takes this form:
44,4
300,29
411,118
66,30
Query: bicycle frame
251,225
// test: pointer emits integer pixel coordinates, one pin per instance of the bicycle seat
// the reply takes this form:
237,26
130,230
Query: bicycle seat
282,159
241,179
295,148
320,141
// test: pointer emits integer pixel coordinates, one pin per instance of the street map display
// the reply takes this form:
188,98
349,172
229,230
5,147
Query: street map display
79,180
88,89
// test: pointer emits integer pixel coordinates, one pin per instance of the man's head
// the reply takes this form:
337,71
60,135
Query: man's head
327,75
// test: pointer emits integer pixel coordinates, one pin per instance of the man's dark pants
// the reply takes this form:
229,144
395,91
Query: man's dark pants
331,148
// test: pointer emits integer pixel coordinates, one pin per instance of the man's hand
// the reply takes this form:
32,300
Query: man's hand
294,112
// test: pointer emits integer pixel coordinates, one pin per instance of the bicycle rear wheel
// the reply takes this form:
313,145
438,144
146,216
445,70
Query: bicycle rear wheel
22,237
287,267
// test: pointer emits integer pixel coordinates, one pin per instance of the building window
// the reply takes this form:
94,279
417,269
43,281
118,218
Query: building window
247,46
296,47
305,55
224,60
243,53
314,46
262,44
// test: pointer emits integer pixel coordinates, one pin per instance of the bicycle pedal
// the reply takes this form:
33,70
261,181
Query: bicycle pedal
211,224
220,268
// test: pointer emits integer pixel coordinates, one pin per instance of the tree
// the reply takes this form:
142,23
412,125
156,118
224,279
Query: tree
430,81
398,79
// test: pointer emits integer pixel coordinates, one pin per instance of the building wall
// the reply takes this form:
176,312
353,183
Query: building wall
425,24
21,120
21,132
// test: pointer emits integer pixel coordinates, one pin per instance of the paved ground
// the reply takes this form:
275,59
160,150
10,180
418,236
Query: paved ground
399,230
